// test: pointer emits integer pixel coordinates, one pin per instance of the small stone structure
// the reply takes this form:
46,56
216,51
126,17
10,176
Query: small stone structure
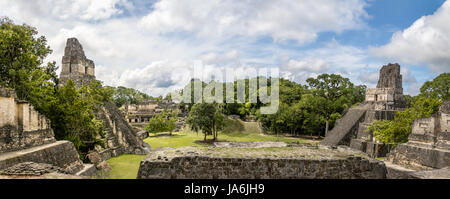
120,137
139,115
428,145
26,136
299,163
381,103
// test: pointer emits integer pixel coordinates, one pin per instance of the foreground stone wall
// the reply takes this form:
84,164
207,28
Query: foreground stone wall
61,154
260,168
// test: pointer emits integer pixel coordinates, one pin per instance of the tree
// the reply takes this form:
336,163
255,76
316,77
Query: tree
438,88
338,94
73,119
122,95
70,111
207,118
162,122
21,53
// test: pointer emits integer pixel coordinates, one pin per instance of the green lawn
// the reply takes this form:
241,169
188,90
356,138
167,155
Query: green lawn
187,138
127,166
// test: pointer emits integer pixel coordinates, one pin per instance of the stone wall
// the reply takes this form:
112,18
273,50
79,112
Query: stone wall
260,168
21,126
61,154
418,158
428,145
26,136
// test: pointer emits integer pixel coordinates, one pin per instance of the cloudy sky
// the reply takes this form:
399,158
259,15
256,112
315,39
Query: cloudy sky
150,44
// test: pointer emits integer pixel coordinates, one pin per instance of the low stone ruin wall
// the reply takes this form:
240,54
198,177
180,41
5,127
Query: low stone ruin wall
197,167
11,139
61,154
417,157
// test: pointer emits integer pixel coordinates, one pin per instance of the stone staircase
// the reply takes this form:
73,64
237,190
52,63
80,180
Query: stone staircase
345,127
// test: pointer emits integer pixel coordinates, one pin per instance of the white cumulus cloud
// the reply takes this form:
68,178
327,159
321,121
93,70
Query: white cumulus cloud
281,19
426,41
148,49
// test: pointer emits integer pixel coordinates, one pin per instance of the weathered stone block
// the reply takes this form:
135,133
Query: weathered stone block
418,157
358,144
270,168
61,153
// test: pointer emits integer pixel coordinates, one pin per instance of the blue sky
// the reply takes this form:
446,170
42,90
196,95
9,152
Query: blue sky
150,45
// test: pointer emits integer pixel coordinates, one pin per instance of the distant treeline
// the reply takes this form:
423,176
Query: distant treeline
303,109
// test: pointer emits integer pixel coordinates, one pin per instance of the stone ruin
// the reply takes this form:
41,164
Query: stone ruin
26,136
428,146
21,126
388,95
120,137
425,155
381,103
296,162
75,65
138,115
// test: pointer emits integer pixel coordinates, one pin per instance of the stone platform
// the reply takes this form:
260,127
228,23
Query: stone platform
61,154
259,163
398,172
